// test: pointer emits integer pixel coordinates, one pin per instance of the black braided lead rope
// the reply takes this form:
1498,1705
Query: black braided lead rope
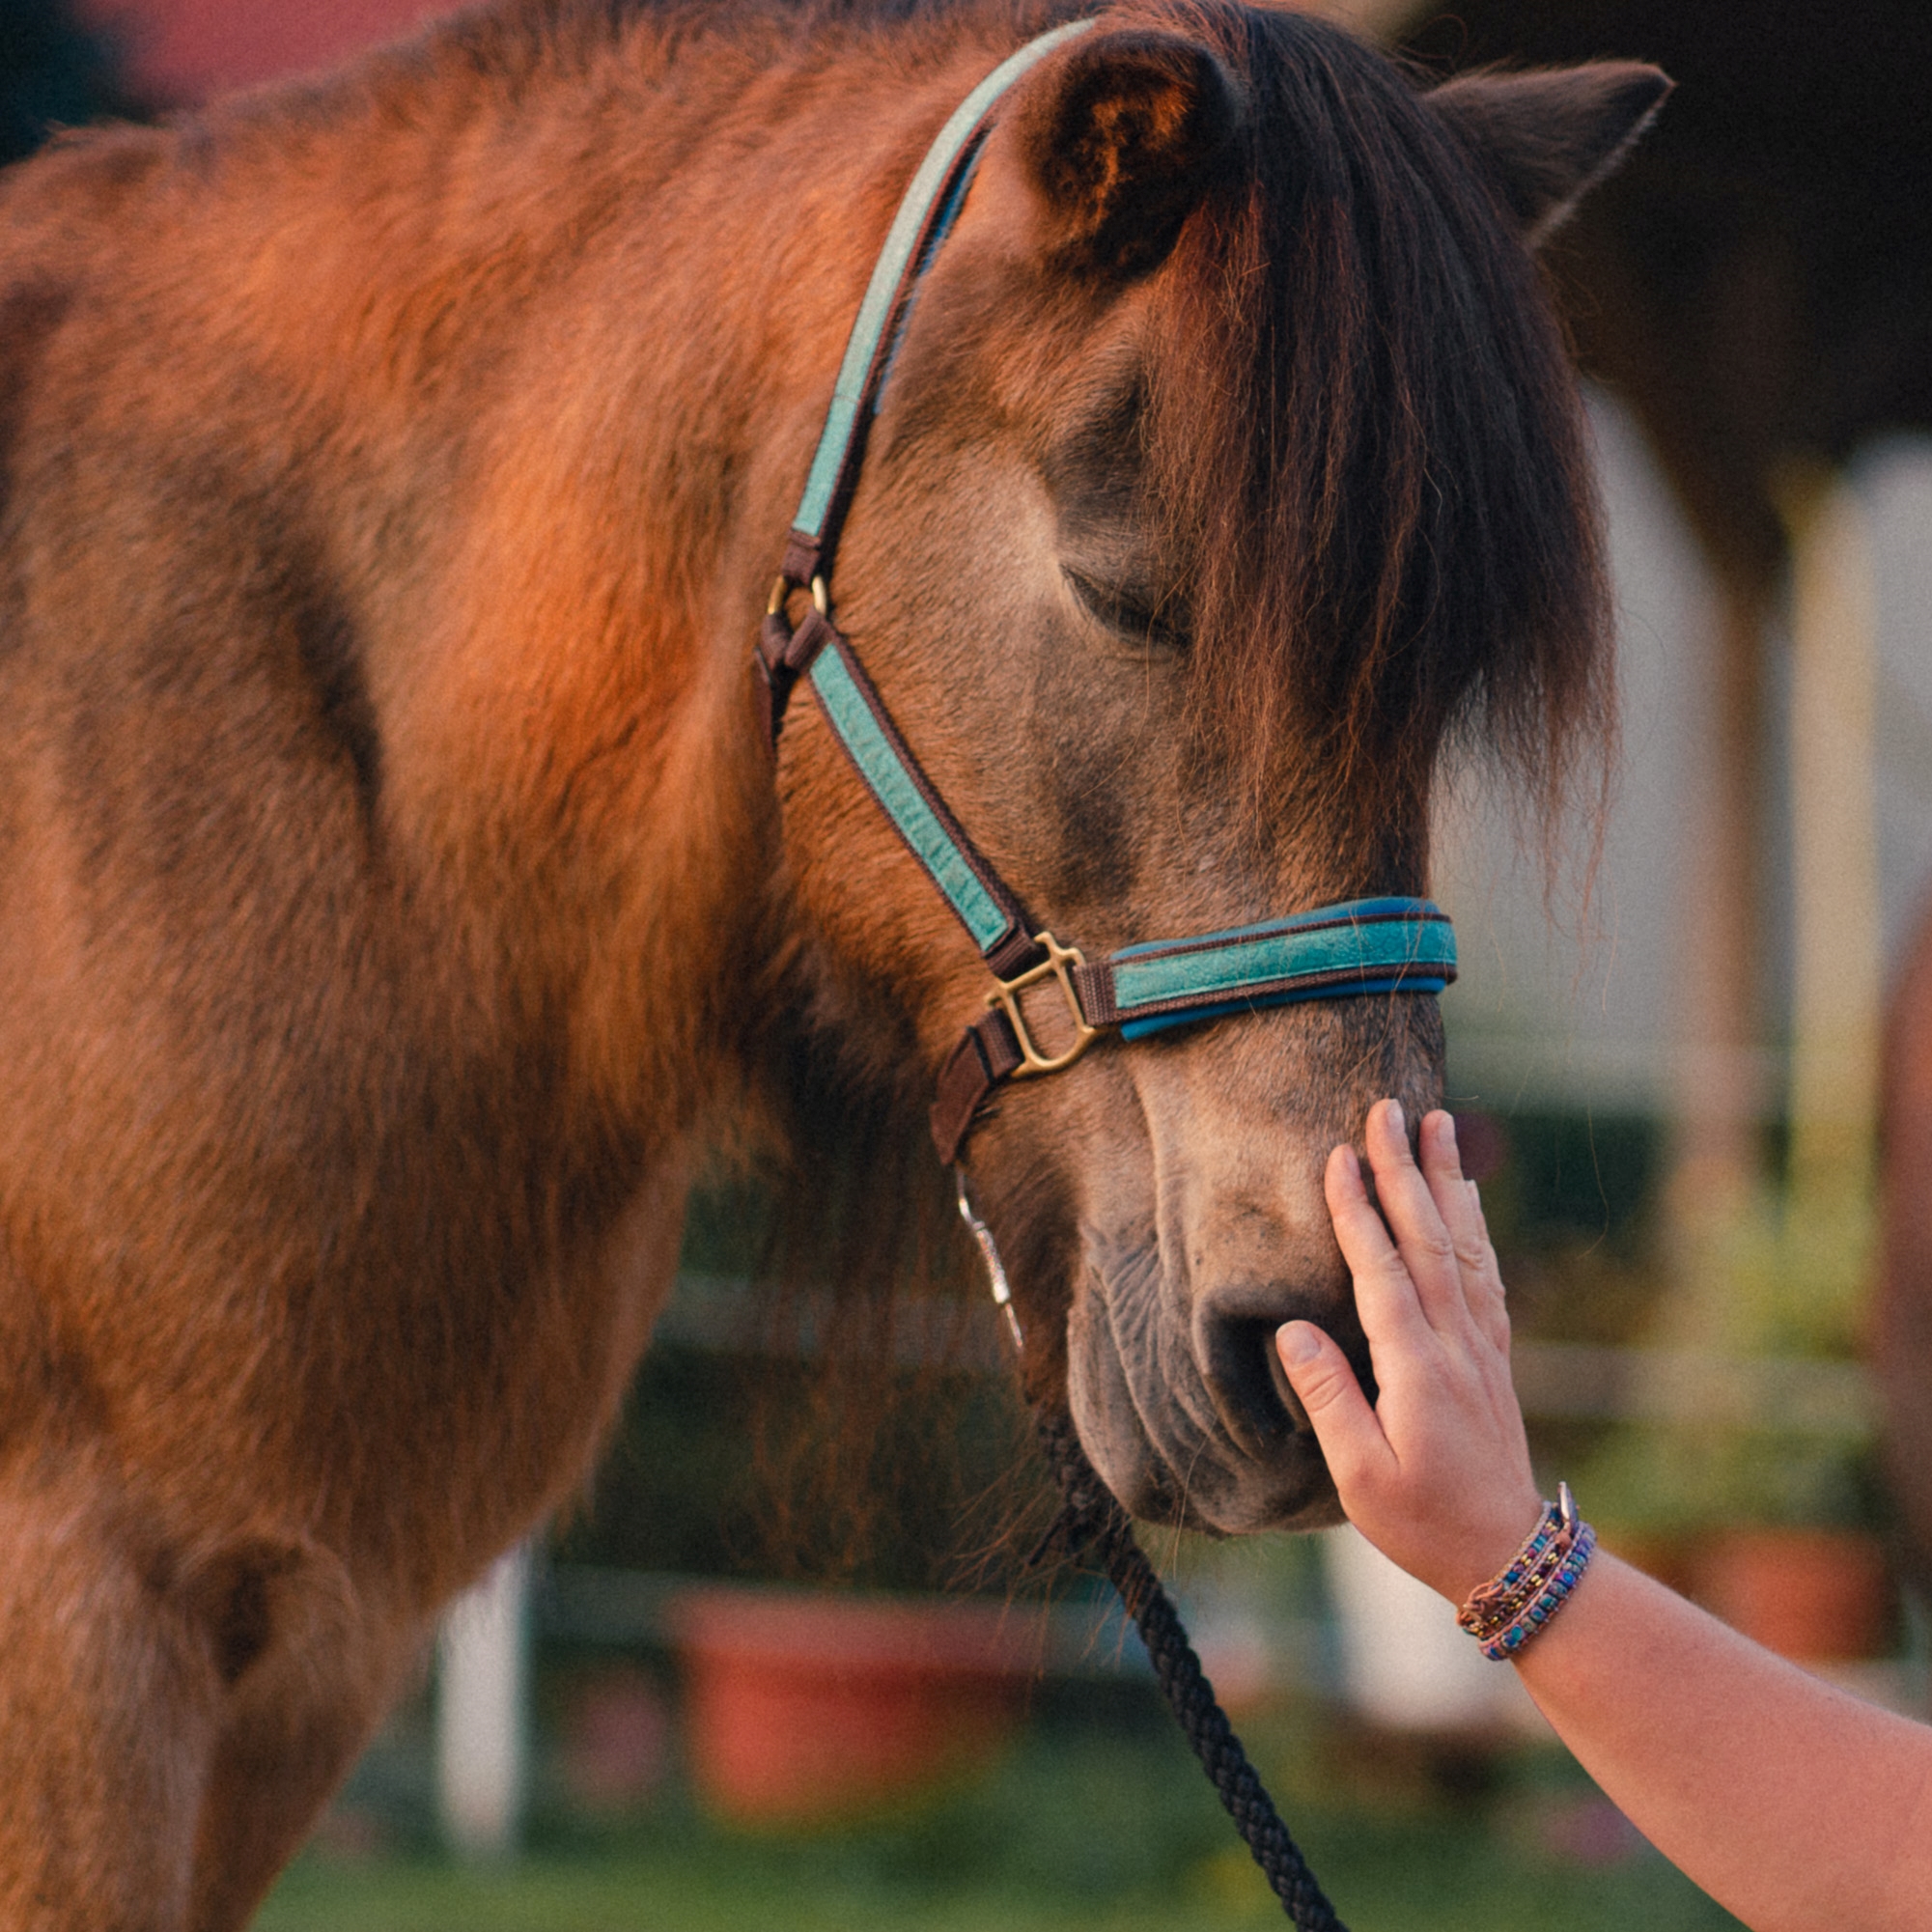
1092,1522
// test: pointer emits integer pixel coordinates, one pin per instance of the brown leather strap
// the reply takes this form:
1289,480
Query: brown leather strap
987,1055
1094,983
801,560
989,1051
814,632
784,656
1019,952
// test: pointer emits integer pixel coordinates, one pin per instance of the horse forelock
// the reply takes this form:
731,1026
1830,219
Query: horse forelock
1364,436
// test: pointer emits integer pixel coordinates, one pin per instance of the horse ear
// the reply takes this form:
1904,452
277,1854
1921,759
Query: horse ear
1546,138
1121,136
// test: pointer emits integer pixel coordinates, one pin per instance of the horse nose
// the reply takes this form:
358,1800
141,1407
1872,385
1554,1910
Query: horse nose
1234,1326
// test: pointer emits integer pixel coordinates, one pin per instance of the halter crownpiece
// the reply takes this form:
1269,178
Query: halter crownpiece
1333,952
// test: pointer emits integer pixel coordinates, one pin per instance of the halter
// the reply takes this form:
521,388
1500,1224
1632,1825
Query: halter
1366,945
1334,952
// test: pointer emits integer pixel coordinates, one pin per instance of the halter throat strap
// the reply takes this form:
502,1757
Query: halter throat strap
1361,946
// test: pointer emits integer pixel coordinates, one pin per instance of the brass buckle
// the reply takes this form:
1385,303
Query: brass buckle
1005,994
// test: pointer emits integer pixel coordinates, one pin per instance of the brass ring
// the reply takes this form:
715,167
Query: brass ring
781,590
1006,994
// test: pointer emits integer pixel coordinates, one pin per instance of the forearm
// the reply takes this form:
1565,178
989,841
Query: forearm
1795,1806
1800,1809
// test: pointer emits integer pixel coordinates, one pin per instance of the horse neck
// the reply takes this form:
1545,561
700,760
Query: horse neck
543,343
498,320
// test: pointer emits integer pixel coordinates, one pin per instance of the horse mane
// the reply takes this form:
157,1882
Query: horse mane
1414,562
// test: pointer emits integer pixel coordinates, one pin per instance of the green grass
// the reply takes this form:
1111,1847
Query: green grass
1381,1882
1109,1829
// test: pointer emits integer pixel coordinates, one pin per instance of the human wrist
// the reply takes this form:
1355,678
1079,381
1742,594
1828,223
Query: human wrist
1485,1545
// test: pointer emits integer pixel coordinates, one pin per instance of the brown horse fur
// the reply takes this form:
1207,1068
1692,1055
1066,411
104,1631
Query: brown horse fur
399,903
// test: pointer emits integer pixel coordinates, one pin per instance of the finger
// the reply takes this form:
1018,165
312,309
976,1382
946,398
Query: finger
1461,1209
1414,1219
1346,1427
1442,1162
1459,1204
1384,1297
1489,1300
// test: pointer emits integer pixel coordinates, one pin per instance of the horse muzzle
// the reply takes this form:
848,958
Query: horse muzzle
1181,1402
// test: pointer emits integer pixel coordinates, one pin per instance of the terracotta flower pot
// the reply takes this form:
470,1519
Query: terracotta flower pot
802,1707
1812,1595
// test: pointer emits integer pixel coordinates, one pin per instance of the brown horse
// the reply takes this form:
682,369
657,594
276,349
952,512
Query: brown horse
399,903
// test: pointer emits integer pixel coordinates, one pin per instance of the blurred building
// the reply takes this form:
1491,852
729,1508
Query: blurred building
1563,1008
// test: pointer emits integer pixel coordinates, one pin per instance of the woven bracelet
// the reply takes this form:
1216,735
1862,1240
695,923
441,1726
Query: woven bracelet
1552,1598
1509,1610
1497,1601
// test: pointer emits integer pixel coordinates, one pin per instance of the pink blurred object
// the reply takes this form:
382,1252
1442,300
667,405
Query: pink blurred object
177,52
802,1707
1585,1829
1483,1143
616,1740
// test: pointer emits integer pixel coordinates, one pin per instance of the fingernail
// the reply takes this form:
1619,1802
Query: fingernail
1299,1341
1396,1114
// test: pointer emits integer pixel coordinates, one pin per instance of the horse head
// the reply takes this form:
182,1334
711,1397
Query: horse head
1229,476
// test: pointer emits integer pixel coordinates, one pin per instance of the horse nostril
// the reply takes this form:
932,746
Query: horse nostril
1251,1389
1244,1377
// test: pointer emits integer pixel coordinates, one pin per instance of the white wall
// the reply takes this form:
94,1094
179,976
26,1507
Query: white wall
1560,1013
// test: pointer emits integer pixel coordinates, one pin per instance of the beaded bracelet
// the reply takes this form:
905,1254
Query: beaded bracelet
1555,1594
1496,1601
1509,1610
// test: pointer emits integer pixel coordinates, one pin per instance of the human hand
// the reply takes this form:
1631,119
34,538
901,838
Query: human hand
1436,1473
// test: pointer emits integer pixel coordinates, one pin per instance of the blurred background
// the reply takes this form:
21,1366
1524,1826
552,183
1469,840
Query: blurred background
715,1698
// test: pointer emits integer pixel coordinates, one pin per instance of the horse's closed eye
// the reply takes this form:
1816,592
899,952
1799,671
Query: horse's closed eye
1144,618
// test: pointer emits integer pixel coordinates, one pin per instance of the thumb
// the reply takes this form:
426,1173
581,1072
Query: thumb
1338,1412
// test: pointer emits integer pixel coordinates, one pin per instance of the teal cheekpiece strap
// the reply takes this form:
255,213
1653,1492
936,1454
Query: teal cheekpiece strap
925,213
923,821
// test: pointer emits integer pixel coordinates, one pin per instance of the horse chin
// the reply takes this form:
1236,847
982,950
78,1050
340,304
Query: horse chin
1149,1428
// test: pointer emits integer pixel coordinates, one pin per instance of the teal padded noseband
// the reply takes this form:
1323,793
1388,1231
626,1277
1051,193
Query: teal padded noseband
1366,945
1362,946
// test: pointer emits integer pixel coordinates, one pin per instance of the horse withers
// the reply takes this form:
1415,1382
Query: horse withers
401,899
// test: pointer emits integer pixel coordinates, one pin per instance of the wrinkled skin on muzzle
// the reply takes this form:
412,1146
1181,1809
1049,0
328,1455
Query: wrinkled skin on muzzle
1176,1184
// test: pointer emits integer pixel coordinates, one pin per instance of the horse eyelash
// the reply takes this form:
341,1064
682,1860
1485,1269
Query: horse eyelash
1129,616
